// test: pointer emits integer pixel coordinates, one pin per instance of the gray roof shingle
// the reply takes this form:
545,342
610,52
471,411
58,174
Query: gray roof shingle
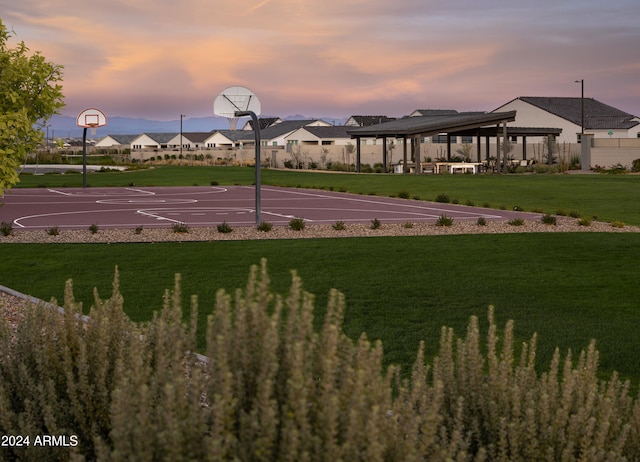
597,115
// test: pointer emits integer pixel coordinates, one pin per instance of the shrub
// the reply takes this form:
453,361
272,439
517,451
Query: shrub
561,212
444,220
516,222
470,203
375,224
296,224
443,197
264,226
408,225
138,229
574,214
224,228
584,221
404,194
6,228
549,219
181,228
53,231
635,165
482,221
339,226
617,224
93,228
274,385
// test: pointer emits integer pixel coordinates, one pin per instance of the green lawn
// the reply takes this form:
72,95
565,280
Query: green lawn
608,197
567,287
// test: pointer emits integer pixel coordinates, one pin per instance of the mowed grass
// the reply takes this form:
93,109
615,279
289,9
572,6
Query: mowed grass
607,197
569,288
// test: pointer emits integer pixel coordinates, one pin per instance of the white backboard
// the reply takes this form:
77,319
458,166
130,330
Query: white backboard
235,99
91,118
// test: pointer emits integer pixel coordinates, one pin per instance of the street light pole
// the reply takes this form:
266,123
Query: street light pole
581,82
181,116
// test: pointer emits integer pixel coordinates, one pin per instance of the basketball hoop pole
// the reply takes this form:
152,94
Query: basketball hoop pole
84,158
256,132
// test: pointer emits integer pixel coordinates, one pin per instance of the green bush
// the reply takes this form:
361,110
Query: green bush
264,226
482,221
181,228
516,222
6,228
339,225
444,220
375,224
93,228
296,224
584,221
53,231
273,387
635,165
443,197
404,194
548,219
224,228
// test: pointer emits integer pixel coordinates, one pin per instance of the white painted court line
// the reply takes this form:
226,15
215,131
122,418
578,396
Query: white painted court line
395,205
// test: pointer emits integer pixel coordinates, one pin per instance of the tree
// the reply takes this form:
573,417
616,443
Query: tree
29,95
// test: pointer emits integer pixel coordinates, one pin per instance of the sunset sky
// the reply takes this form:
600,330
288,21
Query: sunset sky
157,59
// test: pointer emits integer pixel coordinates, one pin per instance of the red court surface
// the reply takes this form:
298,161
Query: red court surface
153,207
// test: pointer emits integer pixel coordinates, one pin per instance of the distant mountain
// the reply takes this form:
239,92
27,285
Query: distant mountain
65,126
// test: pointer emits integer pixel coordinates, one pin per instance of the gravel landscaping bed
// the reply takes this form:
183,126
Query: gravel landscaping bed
564,224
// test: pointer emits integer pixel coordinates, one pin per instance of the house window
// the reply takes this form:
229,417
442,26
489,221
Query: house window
468,140
579,137
439,139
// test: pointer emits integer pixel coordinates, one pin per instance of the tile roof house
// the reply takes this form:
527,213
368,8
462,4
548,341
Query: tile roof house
602,120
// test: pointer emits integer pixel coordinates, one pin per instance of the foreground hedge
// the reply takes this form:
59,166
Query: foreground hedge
275,389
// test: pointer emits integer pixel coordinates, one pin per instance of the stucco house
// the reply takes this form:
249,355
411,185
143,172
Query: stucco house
190,140
229,139
116,141
319,136
600,119
276,135
152,141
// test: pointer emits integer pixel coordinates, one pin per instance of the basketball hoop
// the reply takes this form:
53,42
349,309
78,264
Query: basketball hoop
233,100
89,119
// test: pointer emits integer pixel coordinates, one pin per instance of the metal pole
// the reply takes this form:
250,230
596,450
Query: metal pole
84,158
181,116
581,82
256,133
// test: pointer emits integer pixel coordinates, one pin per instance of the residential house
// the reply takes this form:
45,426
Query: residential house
190,140
155,141
229,139
600,119
264,122
116,141
310,135
275,135
367,121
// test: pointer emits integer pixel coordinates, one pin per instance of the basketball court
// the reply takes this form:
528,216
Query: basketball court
156,207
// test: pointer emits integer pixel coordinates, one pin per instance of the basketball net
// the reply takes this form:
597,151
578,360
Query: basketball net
233,122
92,129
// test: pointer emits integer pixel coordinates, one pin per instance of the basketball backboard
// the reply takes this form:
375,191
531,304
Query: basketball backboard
235,99
91,118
